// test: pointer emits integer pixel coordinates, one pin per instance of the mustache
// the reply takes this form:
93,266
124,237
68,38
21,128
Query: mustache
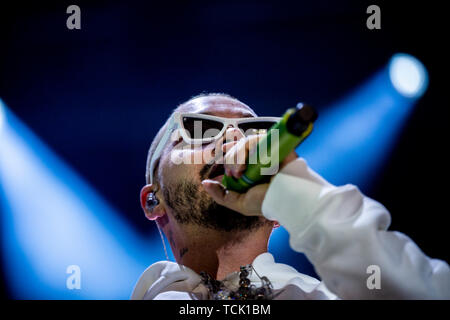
205,170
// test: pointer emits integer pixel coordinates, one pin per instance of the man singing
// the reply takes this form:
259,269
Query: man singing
220,238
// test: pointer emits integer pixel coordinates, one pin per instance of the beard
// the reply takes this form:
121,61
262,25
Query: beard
192,205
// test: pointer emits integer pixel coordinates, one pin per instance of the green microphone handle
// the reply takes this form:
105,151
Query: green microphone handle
281,139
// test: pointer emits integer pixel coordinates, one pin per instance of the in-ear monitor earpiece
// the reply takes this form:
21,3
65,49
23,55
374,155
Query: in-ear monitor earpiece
152,201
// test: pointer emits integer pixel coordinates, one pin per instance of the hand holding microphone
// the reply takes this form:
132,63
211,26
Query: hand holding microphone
244,185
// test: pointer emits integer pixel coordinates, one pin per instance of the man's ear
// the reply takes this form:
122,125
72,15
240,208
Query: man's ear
157,211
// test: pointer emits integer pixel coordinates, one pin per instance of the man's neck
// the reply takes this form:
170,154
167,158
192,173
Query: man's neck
219,253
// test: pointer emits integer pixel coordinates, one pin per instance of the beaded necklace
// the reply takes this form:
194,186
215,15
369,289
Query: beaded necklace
246,291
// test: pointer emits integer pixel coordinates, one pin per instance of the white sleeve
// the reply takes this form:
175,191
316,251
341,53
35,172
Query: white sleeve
344,235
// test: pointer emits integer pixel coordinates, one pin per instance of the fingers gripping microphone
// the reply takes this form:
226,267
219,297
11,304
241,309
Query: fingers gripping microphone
293,128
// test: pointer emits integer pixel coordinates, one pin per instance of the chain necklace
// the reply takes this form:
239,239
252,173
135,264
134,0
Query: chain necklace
246,291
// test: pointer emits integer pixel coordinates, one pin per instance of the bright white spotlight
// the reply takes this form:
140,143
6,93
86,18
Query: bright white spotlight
408,75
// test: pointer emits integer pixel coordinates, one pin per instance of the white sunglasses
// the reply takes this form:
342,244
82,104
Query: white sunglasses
197,128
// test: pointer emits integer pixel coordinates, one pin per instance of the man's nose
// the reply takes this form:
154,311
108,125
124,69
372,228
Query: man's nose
232,134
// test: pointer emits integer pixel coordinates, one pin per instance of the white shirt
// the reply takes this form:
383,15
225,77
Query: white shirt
344,235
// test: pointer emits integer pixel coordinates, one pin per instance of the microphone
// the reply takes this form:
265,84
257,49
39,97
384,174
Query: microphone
293,128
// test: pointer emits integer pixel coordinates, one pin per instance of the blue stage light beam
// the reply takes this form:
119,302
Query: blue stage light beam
353,138
52,219
2,116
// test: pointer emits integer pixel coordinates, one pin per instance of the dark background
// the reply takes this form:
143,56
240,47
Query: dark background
98,95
